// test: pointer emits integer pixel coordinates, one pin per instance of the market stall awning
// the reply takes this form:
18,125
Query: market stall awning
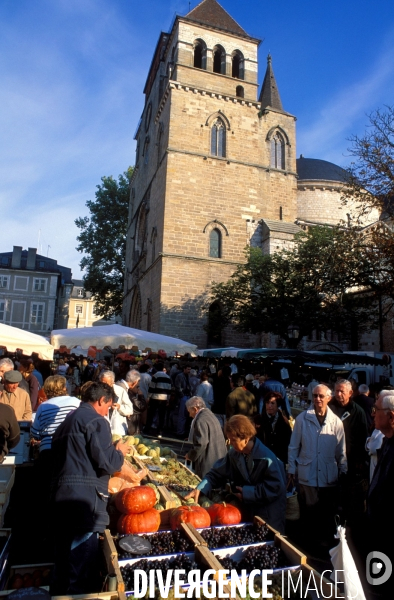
332,358
217,352
118,335
15,339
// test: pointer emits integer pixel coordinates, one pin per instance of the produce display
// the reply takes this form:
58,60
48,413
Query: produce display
143,446
135,500
225,537
256,557
166,542
172,472
182,561
276,588
36,578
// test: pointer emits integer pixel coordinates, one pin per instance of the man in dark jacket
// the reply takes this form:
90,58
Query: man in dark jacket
206,436
9,430
354,486
380,497
84,459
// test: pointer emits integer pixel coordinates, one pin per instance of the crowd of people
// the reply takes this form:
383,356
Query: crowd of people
338,453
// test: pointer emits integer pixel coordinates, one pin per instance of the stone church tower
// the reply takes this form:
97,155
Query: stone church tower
215,171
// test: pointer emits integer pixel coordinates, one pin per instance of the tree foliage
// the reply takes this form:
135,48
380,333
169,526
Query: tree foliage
103,242
371,175
323,283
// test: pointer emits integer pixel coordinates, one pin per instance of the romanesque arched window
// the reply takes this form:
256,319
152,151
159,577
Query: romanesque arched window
240,92
218,138
277,151
135,310
215,243
237,65
200,54
219,60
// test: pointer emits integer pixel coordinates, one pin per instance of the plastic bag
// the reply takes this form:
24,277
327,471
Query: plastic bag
342,560
129,474
117,424
116,484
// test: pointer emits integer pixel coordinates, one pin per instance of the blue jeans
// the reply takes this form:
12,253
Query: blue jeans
182,416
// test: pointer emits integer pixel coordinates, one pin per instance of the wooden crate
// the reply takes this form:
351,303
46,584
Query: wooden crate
165,498
293,555
194,536
111,559
259,521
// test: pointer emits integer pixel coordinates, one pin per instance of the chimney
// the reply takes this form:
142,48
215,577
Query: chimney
16,257
31,259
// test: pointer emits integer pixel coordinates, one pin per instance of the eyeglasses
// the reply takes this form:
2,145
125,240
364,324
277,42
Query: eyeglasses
319,395
375,409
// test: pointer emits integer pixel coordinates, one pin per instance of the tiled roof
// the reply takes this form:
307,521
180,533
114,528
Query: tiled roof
209,12
269,95
281,226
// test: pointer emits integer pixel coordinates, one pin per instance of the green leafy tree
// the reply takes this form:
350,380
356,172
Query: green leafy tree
321,284
103,242
371,175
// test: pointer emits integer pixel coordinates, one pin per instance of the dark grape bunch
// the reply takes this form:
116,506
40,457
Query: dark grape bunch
166,542
173,487
177,562
234,536
261,557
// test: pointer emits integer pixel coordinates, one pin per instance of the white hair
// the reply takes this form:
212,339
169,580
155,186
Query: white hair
363,388
388,401
328,391
8,362
133,376
195,402
107,375
344,382
384,393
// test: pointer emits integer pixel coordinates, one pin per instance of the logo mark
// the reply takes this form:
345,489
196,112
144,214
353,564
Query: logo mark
378,568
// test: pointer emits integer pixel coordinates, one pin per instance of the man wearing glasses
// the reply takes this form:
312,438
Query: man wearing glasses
380,497
317,453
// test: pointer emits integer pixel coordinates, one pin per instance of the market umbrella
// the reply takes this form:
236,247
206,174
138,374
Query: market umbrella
118,335
15,339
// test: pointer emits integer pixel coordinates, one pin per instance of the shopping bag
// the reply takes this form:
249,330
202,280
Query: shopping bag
342,560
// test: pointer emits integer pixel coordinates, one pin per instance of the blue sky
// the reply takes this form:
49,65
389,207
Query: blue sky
72,74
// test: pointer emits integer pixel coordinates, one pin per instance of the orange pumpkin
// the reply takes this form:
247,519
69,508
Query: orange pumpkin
195,515
224,514
135,500
146,522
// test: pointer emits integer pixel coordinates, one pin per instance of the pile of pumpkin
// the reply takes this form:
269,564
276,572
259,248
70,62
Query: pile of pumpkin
138,515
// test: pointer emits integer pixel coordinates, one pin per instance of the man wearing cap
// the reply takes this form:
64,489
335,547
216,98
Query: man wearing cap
14,396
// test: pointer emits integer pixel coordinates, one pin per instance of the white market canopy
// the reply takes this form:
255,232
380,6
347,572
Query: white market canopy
14,339
117,335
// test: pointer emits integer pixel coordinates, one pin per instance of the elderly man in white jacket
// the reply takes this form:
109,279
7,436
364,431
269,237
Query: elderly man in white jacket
317,452
123,404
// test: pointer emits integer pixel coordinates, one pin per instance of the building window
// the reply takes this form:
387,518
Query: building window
2,310
215,244
219,60
4,281
240,92
200,55
78,309
37,313
237,65
94,310
80,293
21,283
218,139
5,260
277,151
41,264
39,285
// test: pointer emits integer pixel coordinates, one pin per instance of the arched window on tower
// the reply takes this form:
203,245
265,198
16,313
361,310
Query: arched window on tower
215,243
277,151
237,65
219,60
200,55
240,92
218,139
